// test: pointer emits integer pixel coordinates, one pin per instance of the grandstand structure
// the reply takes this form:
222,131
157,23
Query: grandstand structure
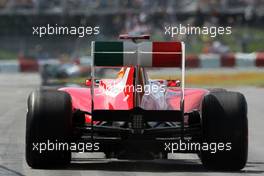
17,17
90,7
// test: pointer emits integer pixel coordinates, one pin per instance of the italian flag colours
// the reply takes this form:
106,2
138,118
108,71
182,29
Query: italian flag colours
147,54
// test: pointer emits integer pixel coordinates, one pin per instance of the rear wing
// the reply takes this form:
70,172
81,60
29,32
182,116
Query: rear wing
145,54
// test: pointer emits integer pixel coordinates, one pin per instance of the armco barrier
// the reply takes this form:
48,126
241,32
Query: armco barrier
228,60
260,60
236,60
192,61
210,61
245,60
239,60
28,64
10,66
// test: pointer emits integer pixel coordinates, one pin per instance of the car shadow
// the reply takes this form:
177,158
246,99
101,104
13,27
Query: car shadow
165,166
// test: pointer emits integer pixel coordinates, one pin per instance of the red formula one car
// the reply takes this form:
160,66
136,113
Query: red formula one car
132,116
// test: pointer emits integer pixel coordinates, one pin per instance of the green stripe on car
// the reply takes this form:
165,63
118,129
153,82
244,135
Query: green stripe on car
103,53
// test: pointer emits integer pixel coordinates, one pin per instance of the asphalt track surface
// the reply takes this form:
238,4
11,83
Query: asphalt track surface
14,89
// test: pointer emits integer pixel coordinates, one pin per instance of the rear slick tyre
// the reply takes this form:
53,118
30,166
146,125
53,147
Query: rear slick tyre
224,120
49,120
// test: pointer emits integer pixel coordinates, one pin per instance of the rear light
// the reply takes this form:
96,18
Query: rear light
137,122
88,82
174,83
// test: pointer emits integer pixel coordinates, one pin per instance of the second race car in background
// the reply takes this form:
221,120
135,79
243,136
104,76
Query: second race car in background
53,73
